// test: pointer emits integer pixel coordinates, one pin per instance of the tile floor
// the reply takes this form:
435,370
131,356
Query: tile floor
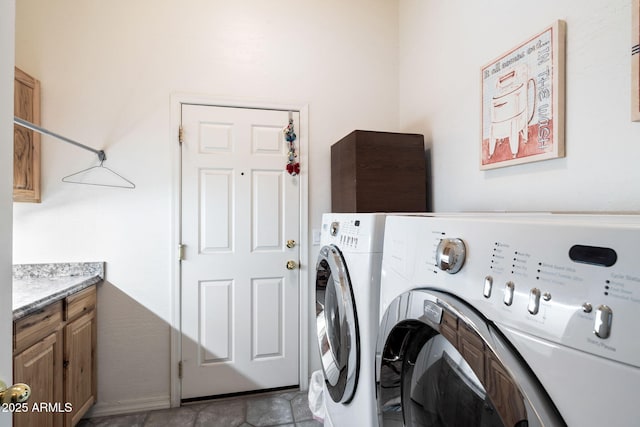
286,409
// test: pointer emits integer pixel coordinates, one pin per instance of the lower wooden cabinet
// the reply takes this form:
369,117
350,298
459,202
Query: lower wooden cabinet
79,366
39,366
55,354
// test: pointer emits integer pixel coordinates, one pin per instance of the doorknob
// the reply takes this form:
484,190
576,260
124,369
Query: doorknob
291,265
17,393
291,243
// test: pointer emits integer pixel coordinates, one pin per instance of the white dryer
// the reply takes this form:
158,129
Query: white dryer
347,303
509,320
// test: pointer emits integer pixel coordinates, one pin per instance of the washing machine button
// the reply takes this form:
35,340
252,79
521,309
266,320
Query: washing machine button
509,288
488,285
534,301
602,327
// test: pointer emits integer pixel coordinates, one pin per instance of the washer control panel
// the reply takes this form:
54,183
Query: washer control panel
570,279
603,313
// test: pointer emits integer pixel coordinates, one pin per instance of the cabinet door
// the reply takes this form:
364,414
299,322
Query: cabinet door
26,143
40,366
80,367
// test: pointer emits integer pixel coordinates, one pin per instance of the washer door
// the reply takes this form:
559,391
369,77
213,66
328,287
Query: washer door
336,323
439,363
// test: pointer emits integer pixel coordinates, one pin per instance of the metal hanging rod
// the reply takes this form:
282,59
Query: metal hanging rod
24,123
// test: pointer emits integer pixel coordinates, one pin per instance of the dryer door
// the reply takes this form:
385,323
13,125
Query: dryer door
439,363
336,323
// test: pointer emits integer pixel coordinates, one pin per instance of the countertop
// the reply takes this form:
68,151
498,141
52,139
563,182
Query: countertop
37,285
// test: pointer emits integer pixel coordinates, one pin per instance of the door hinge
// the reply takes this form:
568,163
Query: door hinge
181,248
180,135
180,369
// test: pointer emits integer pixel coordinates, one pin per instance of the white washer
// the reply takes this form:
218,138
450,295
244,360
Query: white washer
347,302
509,320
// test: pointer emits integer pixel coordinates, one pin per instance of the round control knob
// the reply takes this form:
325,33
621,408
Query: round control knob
450,255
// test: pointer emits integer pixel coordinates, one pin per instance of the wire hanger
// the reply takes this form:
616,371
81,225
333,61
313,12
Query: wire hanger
85,176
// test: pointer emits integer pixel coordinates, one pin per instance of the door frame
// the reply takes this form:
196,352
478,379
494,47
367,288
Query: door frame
177,100
7,47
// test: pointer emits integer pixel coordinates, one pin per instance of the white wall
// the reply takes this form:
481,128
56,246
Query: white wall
108,70
443,45
7,11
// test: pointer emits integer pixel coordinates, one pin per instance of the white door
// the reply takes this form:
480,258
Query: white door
240,302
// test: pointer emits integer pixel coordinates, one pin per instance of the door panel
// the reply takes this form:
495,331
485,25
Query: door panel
216,210
216,343
267,140
240,304
216,137
266,210
267,318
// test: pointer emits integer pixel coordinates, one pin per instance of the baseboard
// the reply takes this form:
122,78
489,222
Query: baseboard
103,409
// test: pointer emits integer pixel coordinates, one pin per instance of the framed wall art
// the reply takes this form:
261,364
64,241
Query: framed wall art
635,61
523,102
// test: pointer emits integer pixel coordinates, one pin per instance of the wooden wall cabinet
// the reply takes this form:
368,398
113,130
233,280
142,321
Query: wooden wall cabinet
55,354
26,143
378,172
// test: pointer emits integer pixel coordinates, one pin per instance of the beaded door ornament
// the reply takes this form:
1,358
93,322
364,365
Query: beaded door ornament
293,166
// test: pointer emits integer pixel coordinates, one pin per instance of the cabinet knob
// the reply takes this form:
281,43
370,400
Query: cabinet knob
17,393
